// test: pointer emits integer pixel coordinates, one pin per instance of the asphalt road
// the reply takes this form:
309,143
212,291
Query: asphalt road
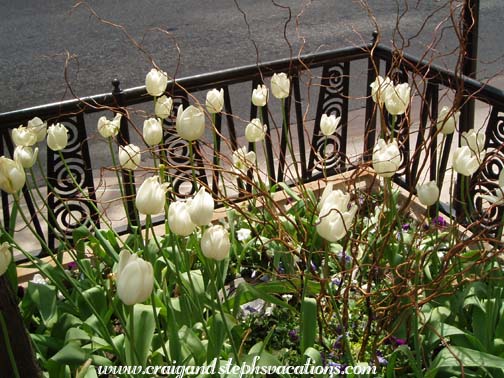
38,39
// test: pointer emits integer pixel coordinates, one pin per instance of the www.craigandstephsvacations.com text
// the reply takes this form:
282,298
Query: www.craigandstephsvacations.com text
244,370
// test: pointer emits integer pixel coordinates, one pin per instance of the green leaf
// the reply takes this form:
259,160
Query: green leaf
44,297
70,354
456,356
308,323
143,326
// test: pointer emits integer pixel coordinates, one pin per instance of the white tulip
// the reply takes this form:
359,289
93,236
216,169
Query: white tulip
38,127
215,101
151,196
379,88
57,137
475,140
26,156
109,128
447,120
465,161
243,234
386,158
201,208
5,257
12,175
397,98
190,123
163,107
328,124
255,131
260,95
428,193
135,278
336,216
156,82
23,136
152,131
130,156
215,243
243,160
280,85
179,219
498,198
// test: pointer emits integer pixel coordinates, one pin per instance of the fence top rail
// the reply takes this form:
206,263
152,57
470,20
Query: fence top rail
440,75
136,95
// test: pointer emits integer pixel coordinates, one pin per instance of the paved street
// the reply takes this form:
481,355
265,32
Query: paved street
36,37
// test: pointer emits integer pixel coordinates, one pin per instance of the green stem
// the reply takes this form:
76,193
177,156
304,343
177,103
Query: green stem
191,160
5,332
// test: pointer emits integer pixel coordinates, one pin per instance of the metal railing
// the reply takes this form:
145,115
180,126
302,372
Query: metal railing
330,86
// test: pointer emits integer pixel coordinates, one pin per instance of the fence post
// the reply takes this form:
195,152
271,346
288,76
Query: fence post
128,178
370,121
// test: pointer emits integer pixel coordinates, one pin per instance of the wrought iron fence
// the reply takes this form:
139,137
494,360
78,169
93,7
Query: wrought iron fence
332,91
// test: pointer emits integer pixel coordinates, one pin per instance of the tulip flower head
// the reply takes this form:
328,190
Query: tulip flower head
336,216
135,278
201,208
190,123
23,136
379,89
428,193
57,137
215,243
447,120
156,82
255,131
280,85
397,98
38,127
163,107
26,156
152,131
465,161
5,257
260,95
179,219
243,160
151,196
215,101
386,158
328,124
109,128
475,140
130,156
498,198
12,175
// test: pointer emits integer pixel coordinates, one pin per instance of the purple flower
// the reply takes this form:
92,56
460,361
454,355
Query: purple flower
293,335
72,265
396,341
313,266
440,222
406,227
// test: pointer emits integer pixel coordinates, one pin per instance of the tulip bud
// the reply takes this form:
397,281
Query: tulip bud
57,137
5,257
280,85
255,131
260,95
135,278
336,216
38,127
152,131
447,120
379,89
465,161
215,243
26,156
215,101
243,160
386,158
179,219
163,107
398,98
12,175
109,128
130,156
201,208
23,136
428,193
156,82
328,124
475,140
151,196
190,123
